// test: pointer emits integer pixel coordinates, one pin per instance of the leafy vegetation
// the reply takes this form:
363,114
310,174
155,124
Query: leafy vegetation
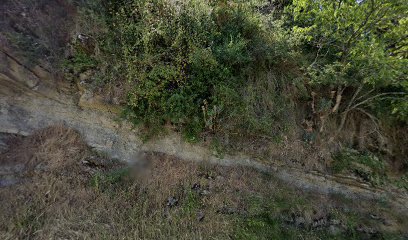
195,64
364,165
106,181
201,66
247,69
358,49
251,69
402,182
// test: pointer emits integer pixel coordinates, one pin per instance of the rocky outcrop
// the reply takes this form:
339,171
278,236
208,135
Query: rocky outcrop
30,100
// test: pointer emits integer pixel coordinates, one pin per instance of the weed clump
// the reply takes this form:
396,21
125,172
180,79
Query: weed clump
364,165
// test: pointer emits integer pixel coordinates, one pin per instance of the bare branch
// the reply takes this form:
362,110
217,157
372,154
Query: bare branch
365,95
374,97
373,119
354,96
338,99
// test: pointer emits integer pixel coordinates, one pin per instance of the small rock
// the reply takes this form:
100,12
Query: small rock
109,144
206,176
116,101
387,222
226,210
219,178
319,223
366,229
335,222
82,37
205,193
172,201
300,221
200,216
84,76
288,219
334,230
196,187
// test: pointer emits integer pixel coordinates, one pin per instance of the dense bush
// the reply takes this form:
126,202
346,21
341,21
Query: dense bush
237,67
358,49
200,66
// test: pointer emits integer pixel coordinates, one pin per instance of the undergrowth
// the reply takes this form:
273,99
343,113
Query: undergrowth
367,166
247,73
213,68
402,182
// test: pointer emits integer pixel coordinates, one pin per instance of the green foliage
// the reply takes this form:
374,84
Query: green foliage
192,202
400,108
365,165
101,51
356,44
201,66
264,227
269,218
80,63
103,181
236,70
402,182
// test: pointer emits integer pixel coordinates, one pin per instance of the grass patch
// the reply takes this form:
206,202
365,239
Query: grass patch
263,227
364,165
70,199
102,181
402,182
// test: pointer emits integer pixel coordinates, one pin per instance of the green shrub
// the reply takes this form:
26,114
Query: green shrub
80,63
201,66
365,165
233,69
357,48
402,182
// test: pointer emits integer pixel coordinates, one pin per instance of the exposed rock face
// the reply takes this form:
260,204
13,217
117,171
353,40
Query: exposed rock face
28,103
30,99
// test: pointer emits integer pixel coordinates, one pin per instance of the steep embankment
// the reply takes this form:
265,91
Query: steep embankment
33,97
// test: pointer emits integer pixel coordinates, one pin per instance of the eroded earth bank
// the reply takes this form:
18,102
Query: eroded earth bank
72,167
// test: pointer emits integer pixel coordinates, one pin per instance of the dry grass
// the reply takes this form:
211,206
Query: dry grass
70,193
53,149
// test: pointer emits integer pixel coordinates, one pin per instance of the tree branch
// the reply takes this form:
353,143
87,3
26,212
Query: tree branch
372,98
338,99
